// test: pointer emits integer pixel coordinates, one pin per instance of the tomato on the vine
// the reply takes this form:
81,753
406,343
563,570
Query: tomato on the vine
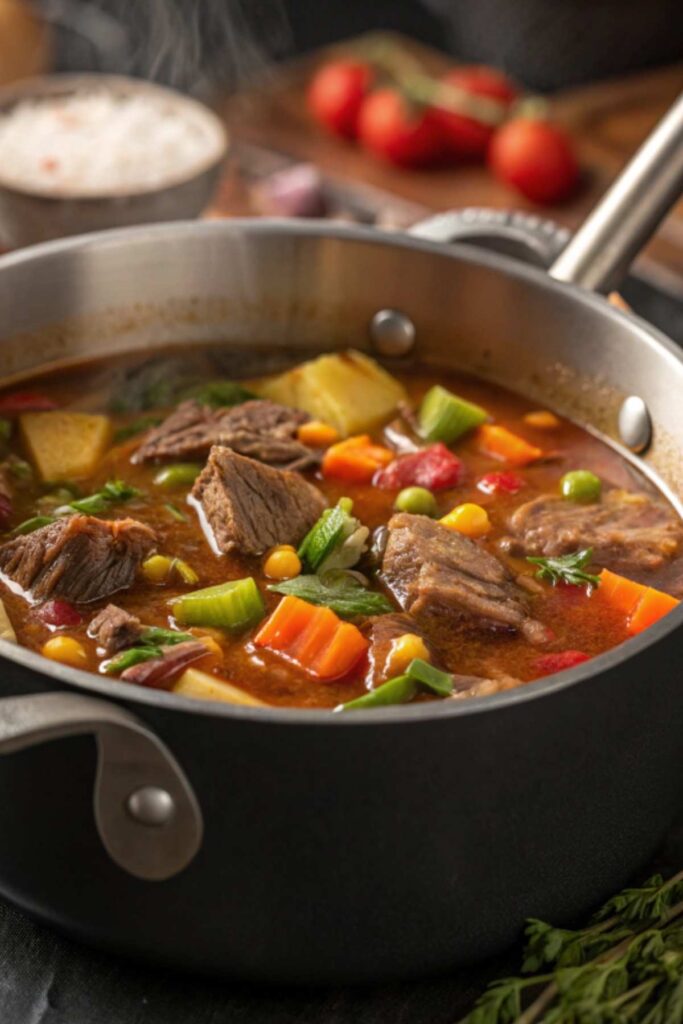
466,137
336,94
394,129
535,157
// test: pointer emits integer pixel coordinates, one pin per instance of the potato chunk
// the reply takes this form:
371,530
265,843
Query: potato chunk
203,686
348,390
64,445
6,627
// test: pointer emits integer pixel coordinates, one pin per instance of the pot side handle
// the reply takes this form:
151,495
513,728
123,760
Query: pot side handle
146,811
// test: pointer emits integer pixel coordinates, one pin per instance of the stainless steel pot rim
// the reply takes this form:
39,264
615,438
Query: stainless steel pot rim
432,710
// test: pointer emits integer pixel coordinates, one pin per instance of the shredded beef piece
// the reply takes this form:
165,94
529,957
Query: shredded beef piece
259,429
384,631
113,629
78,558
629,533
434,571
251,507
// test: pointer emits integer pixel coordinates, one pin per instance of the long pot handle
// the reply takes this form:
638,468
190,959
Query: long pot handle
146,811
599,254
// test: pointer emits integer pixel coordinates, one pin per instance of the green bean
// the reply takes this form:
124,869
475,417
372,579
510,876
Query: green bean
180,474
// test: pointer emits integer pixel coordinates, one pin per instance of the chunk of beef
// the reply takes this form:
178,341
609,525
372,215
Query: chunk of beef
259,429
250,507
384,631
78,558
114,629
434,571
629,533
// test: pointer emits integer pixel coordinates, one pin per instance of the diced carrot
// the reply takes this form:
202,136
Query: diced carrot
314,637
502,444
620,592
640,604
357,459
653,606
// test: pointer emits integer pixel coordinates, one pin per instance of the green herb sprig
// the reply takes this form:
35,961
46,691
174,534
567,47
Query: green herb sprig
567,569
626,966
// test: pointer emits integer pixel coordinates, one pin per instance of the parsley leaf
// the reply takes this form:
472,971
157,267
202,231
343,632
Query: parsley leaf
567,569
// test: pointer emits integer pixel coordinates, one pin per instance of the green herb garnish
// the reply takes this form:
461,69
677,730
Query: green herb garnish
218,393
113,491
337,590
566,569
135,428
175,512
34,523
626,965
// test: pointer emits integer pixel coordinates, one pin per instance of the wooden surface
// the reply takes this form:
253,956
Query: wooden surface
608,121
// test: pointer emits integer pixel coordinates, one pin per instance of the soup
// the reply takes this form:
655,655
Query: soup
333,536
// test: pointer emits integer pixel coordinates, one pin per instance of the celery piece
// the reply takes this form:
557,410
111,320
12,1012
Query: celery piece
445,417
179,474
235,605
440,683
399,690
336,541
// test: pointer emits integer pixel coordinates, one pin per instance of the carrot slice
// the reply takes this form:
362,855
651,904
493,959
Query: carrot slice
640,604
502,444
653,606
357,459
620,592
314,637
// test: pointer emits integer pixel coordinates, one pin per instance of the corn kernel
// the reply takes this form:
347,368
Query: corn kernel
282,563
157,569
65,650
542,419
185,571
317,434
470,519
403,650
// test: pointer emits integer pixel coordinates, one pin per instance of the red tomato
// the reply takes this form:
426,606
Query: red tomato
495,483
464,136
336,93
548,664
59,613
25,401
390,128
535,157
435,468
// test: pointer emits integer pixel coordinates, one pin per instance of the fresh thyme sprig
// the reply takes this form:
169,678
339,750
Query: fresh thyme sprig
566,569
624,967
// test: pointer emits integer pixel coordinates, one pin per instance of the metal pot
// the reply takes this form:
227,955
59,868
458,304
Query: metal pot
298,846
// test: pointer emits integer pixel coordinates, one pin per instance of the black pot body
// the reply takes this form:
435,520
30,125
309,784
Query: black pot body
361,852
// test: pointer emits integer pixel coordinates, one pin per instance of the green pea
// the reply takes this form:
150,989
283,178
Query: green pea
581,485
180,474
418,500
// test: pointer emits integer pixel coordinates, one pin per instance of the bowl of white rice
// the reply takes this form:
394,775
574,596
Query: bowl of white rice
82,153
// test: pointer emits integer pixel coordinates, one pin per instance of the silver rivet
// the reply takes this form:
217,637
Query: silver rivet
635,425
151,805
392,332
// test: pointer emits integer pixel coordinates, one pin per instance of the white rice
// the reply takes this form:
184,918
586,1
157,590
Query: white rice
96,143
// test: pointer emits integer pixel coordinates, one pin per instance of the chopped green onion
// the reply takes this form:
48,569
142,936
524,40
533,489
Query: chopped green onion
581,485
180,474
336,541
440,683
417,500
399,690
235,605
337,590
35,523
135,428
566,569
175,512
218,393
445,417
112,492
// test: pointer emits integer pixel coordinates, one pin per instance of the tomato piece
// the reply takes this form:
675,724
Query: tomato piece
500,483
466,137
436,468
336,93
535,157
394,130
59,613
548,664
25,401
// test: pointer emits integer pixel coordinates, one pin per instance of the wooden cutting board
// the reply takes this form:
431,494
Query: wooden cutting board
608,121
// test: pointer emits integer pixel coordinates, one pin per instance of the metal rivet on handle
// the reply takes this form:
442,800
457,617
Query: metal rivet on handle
635,425
393,333
151,805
